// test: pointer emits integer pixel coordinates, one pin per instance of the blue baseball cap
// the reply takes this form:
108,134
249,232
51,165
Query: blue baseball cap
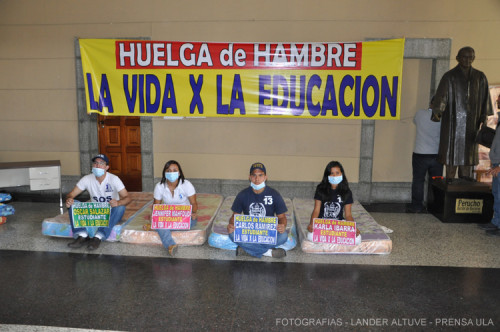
101,156
258,166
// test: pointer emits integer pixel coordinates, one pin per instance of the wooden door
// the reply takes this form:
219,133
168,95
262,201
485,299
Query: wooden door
120,140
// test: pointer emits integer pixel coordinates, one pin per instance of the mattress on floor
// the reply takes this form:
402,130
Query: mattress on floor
208,205
59,225
219,237
374,239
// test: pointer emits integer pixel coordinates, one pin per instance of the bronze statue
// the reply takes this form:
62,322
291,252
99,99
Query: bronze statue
462,103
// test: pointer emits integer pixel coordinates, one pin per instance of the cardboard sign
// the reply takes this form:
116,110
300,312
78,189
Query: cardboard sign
250,229
334,231
167,216
90,214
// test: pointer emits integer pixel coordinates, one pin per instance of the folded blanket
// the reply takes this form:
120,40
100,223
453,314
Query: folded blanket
5,197
6,210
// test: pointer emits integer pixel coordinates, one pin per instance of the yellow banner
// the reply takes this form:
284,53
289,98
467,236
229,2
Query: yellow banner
349,80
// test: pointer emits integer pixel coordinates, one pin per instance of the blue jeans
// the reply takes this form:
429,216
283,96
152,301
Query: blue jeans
257,249
495,189
166,234
422,164
114,218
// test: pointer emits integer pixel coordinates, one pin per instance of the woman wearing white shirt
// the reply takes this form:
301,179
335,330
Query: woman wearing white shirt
174,189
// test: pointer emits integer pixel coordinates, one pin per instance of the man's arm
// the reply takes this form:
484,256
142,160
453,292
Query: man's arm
124,199
281,222
493,171
70,198
237,206
230,226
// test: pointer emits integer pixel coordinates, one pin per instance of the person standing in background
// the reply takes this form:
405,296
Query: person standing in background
424,159
493,228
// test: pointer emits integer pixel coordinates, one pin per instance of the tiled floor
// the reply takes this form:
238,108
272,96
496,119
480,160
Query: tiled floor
438,277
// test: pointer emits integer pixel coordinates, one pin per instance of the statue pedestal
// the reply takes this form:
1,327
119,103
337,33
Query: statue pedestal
460,201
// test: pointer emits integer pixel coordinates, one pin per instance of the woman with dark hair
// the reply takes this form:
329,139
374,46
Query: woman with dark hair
174,189
333,198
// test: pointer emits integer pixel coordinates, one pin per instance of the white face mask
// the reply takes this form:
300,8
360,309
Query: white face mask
258,186
172,176
335,179
98,172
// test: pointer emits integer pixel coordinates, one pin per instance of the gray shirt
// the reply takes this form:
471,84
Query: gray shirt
427,139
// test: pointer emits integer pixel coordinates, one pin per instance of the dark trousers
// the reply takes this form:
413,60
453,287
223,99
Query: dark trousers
422,164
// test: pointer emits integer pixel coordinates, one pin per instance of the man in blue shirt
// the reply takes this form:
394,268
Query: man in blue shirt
260,201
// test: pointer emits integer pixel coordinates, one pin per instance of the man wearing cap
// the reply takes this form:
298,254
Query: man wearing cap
260,201
102,187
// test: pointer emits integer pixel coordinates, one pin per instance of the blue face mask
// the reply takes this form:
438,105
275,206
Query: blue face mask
258,186
98,172
172,176
335,179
